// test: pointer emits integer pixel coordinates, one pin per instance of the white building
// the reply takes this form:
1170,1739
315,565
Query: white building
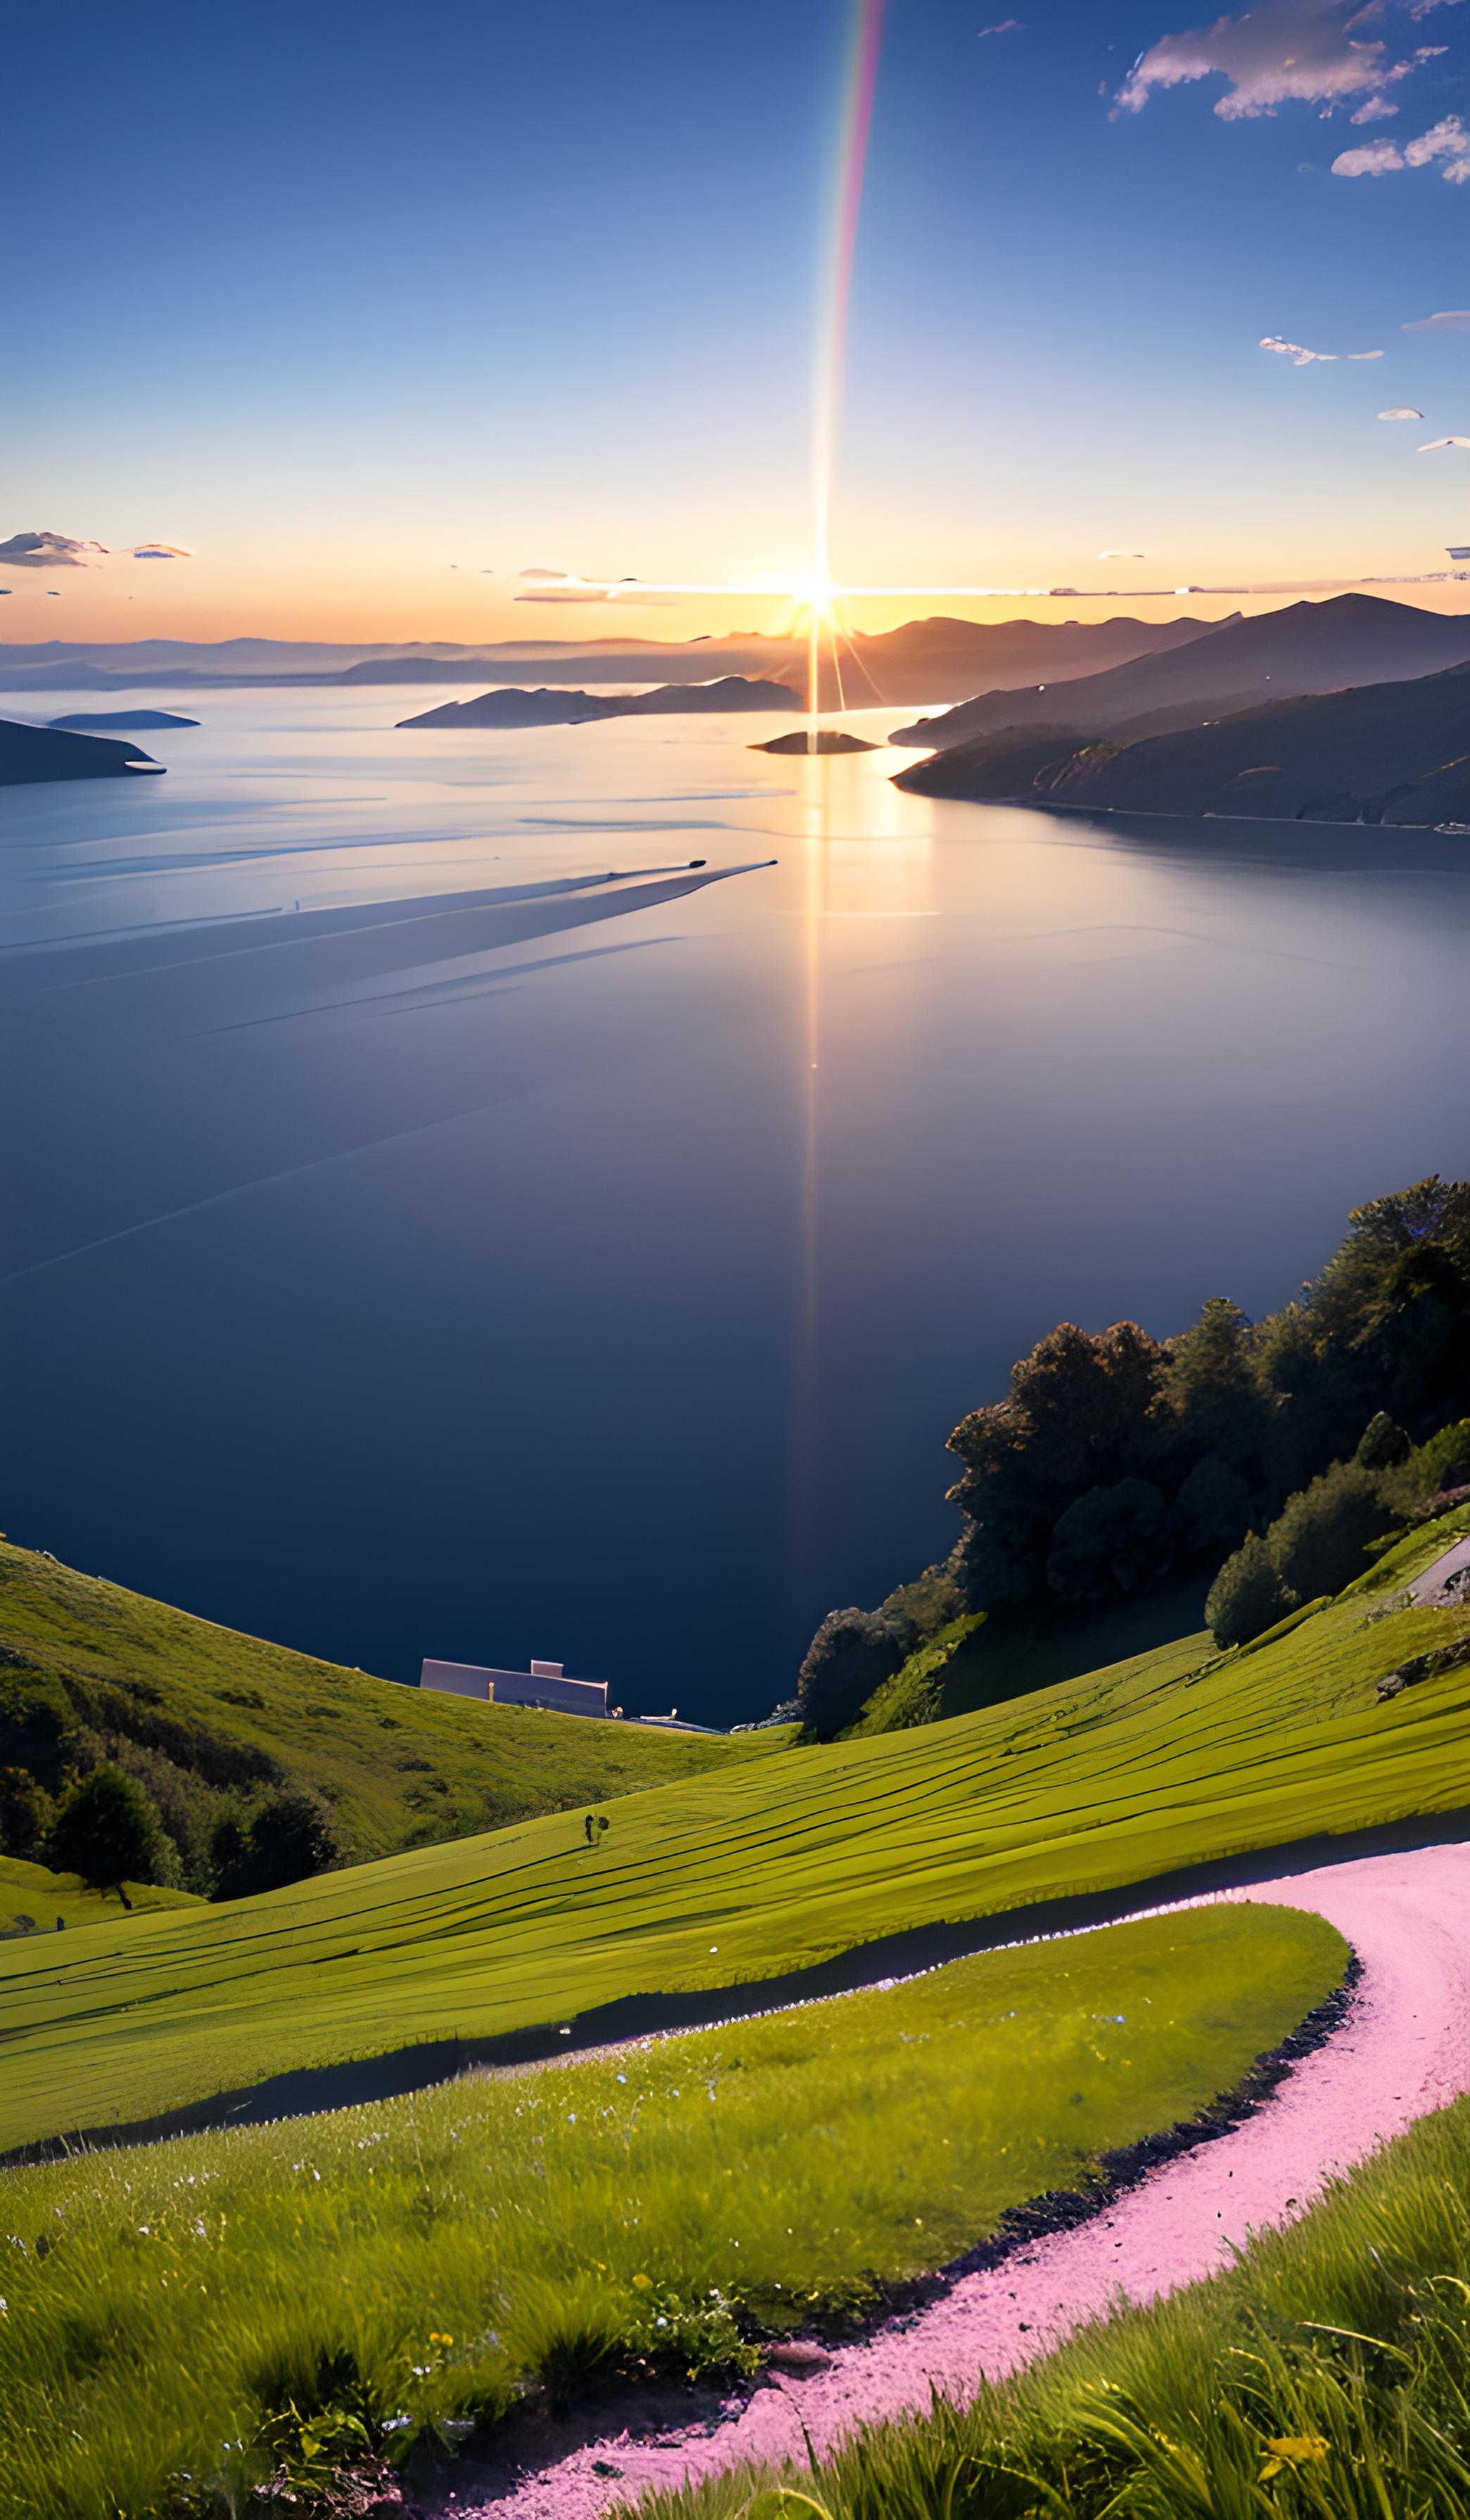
545,1684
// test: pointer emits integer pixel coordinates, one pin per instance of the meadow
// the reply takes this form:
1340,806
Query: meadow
752,1868
210,1711
32,1899
398,2273
1324,2377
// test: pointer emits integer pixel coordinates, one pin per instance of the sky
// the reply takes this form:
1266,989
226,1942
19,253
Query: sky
356,304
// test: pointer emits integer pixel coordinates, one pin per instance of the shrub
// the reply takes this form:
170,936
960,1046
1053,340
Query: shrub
1318,1543
108,1831
1382,1445
1247,1596
1111,1541
287,1840
24,1812
853,1652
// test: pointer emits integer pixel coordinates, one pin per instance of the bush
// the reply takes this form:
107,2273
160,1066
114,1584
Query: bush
1247,1596
1213,1509
1317,1545
1382,1445
1111,1541
108,1831
852,1654
287,1840
24,1812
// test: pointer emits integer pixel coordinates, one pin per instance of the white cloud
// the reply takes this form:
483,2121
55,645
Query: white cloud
1006,26
1453,319
552,576
1364,354
1401,411
1293,351
161,551
1436,442
1377,109
1304,52
1448,140
48,551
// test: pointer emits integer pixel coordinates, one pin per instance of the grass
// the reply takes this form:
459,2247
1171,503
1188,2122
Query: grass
32,1899
750,1869
399,1767
1325,2377
404,2267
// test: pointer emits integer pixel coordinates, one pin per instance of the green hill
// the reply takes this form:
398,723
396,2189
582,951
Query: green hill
758,1865
209,1720
34,1900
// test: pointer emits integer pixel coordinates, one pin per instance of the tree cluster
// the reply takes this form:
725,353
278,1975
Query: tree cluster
1115,1456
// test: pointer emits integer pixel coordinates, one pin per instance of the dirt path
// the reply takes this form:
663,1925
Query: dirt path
1403,2050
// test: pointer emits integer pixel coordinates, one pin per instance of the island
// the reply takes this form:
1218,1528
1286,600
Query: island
83,721
28,754
821,739
543,707
1388,753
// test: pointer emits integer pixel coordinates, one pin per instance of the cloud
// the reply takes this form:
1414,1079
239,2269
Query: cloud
553,576
161,551
1433,442
1401,411
1448,140
1006,26
1453,319
1304,52
48,551
1293,351
1122,555
1377,109
563,594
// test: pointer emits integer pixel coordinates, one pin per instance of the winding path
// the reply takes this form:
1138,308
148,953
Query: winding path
1403,2050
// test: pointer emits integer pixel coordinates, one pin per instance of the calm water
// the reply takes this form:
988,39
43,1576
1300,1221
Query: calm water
596,1273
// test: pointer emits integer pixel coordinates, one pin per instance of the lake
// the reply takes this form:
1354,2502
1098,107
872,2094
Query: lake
416,1245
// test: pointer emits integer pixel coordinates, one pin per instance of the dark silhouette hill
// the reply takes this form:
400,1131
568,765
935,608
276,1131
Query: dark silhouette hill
33,752
822,739
509,708
89,721
1345,641
931,660
1396,754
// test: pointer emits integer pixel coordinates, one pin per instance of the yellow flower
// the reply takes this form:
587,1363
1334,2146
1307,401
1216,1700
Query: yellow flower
643,2283
1292,2450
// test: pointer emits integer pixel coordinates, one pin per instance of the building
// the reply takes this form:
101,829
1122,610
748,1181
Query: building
545,1684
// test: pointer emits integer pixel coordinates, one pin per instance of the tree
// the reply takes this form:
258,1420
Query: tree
1213,1509
24,1812
853,1652
1317,1543
1247,1596
1383,1445
107,1830
287,1840
1210,1395
1110,1542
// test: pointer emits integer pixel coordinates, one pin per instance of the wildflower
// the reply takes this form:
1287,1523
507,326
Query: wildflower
1292,2450
643,2283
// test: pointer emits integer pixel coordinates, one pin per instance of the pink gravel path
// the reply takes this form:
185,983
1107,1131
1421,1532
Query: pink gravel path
1404,2049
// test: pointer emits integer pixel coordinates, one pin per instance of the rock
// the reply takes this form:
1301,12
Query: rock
801,2355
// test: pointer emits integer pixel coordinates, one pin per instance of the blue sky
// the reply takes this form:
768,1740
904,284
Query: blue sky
338,296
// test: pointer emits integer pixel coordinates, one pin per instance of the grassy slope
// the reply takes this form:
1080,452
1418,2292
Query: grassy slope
396,1765
1325,2377
738,1873
30,1890
638,2205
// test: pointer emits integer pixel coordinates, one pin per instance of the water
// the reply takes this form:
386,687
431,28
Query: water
598,1277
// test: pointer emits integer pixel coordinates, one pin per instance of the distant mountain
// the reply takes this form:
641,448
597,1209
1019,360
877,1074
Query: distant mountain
509,708
32,752
1347,639
1395,752
85,721
938,659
